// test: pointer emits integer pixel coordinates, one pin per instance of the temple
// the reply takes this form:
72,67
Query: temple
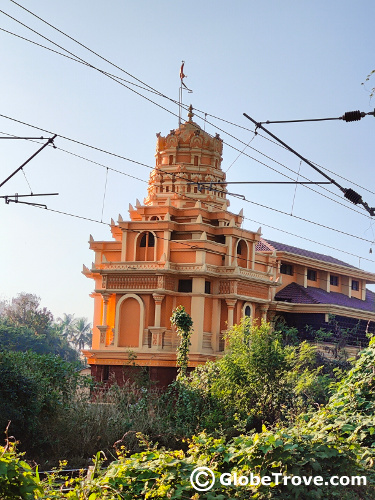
183,246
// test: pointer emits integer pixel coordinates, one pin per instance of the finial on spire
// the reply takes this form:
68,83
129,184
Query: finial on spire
190,113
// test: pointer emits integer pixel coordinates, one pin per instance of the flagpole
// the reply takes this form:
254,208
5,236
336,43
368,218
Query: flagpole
180,93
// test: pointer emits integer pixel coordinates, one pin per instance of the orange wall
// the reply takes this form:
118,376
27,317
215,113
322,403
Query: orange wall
182,257
223,316
214,259
129,330
207,322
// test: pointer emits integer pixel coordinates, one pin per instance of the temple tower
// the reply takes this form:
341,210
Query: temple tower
180,247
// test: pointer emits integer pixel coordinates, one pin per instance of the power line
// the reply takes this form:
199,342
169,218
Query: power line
88,64
277,144
84,63
194,246
49,141
186,197
184,178
349,116
349,193
115,78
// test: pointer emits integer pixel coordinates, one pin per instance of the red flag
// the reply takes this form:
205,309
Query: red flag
182,76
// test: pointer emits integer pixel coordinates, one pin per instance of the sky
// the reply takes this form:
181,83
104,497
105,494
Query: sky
272,60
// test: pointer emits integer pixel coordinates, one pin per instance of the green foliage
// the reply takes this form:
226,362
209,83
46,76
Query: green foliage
184,324
260,379
32,389
349,415
368,77
17,479
337,440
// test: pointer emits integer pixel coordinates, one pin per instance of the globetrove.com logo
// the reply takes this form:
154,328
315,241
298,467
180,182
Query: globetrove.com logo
203,479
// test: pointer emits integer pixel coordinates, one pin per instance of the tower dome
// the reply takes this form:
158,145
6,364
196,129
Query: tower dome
188,167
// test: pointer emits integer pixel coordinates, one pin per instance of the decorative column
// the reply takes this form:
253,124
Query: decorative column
157,332
230,304
103,328
264,310
158,298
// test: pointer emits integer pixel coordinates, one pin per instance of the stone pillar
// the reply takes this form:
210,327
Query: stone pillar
264,310
157,332
197,314
252,256
229,254
216,310
103,328
230,304
105,308
158,298
123,246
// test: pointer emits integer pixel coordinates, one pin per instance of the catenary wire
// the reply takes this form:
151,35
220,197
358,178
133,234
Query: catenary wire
280,146
196,199
116,78
184,178
194,246
155,91
78,61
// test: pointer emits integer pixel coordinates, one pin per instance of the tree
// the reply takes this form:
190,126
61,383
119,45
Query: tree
25,310
67,325
25,325
184,324
81,333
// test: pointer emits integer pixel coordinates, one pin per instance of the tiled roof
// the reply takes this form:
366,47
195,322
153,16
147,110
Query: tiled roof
305,253
297,294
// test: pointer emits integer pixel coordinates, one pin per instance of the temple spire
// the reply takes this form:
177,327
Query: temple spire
190,113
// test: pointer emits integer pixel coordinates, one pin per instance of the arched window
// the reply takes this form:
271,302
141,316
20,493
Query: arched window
147,240
170,159
145,247
242,253
247,310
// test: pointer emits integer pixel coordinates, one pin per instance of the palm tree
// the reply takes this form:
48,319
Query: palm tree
67,325
82,334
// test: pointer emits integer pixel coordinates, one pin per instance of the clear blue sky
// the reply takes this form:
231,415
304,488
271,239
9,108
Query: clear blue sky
273,60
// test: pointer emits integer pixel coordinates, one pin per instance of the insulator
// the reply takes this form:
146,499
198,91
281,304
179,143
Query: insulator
353,196
353,116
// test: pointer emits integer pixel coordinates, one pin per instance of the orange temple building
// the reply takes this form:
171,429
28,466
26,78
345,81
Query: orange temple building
183,247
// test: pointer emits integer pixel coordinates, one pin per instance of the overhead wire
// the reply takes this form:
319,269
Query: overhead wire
78,61
193,245
184,178
88,64
150,88
281,146
115,78
187,197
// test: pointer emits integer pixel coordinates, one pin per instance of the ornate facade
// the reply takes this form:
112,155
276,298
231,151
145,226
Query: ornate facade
180,247
183,246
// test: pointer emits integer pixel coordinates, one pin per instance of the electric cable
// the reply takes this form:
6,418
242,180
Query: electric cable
184,178
78,61
194,246
115,78
139,163
351,116
196,199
